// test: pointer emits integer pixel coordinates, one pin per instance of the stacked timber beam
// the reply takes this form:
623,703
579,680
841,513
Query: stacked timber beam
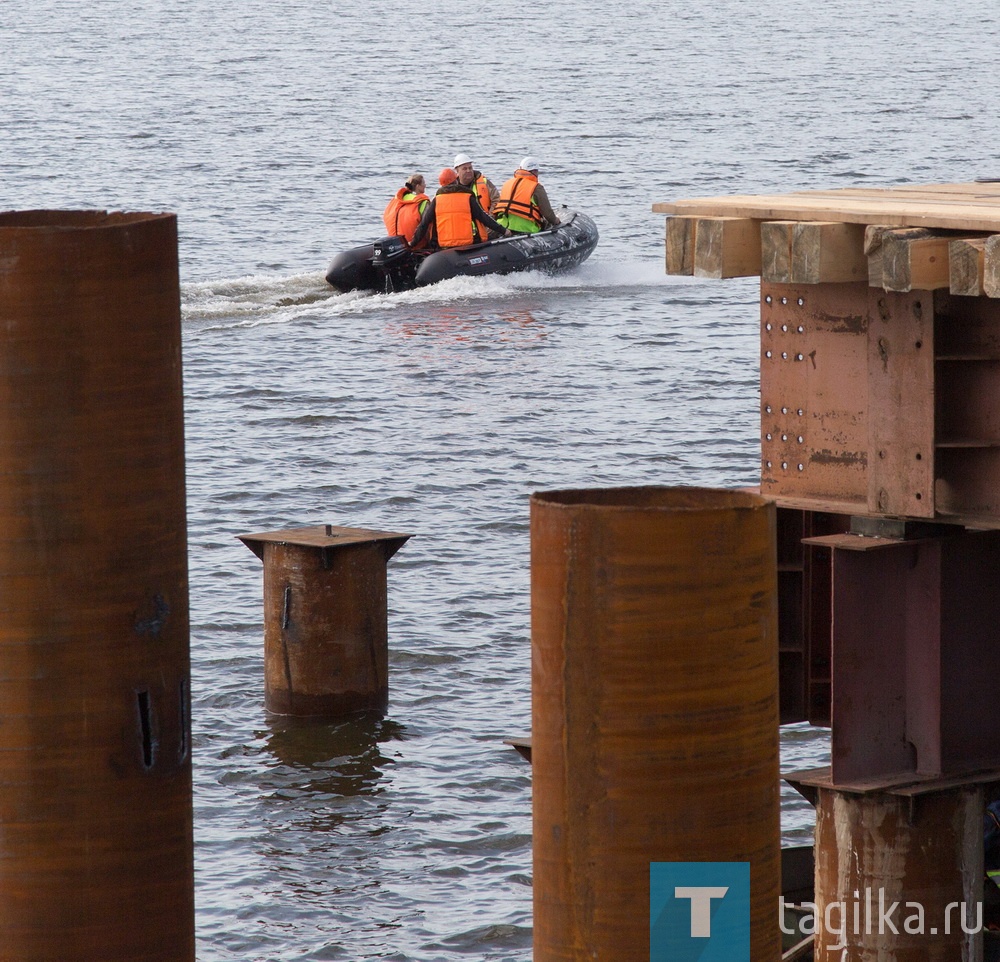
941,237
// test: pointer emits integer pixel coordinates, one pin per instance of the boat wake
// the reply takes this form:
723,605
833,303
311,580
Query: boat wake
255,300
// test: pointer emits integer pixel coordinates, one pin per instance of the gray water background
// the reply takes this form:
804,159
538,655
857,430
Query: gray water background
277,132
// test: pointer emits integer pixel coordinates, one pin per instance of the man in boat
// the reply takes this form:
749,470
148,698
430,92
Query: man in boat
404,211
455,218
524,205
485,189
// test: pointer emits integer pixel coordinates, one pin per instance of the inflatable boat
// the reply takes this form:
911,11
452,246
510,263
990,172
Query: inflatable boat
388,265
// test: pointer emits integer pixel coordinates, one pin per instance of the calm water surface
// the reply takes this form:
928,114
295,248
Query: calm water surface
277,132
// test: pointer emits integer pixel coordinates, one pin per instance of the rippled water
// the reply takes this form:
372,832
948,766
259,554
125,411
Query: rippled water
277,132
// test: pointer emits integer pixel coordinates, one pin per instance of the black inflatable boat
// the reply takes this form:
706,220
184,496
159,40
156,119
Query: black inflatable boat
389,265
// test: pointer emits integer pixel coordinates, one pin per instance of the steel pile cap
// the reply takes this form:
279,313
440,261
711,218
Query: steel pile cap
324,537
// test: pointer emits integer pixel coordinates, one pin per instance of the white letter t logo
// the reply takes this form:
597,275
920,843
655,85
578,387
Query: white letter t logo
701,906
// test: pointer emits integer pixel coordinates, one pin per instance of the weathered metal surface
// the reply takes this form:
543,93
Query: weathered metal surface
870,632
910,785
881,403
521,745
654,707
893,873
914,656
325,538
814,393
804,618
326,646
967,399
898,529
96,858
901,404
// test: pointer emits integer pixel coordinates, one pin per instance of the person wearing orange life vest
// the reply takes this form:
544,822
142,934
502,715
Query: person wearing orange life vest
524,205
485,189
403,212
454,218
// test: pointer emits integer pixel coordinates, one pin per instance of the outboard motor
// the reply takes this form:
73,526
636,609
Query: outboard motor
393,260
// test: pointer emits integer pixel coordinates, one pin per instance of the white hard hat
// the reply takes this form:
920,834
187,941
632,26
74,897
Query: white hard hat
529,163
461,159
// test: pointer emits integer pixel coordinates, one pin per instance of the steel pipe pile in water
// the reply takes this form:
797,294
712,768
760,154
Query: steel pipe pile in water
654,708
96,856
326,633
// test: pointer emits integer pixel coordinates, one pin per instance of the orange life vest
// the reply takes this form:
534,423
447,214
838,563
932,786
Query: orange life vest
453,216
403,213
482,192
515,197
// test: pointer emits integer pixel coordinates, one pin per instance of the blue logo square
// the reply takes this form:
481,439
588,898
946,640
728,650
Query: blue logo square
699,912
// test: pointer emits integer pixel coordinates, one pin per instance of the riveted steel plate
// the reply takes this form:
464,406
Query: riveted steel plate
814,392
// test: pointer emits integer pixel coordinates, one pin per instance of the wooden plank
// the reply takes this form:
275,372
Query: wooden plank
970,187
914,260
852,200
680,245
776,251
967,194
726,247
966,258
991,266
953,194
978,211
828,252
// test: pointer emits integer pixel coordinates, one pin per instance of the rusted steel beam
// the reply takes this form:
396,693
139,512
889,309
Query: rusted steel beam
326,649
804,618
881,402
814,393
654,707
913,655
96,857
901,404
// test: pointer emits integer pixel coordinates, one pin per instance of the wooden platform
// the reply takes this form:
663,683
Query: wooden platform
915,237
974,206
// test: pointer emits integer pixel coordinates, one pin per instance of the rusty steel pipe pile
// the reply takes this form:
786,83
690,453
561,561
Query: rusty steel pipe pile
654,708
880,857
326,633
96,854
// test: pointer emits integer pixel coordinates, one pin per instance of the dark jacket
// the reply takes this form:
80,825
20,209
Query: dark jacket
478,214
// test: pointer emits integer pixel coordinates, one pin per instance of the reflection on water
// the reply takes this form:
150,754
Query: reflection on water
324,758
464,322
